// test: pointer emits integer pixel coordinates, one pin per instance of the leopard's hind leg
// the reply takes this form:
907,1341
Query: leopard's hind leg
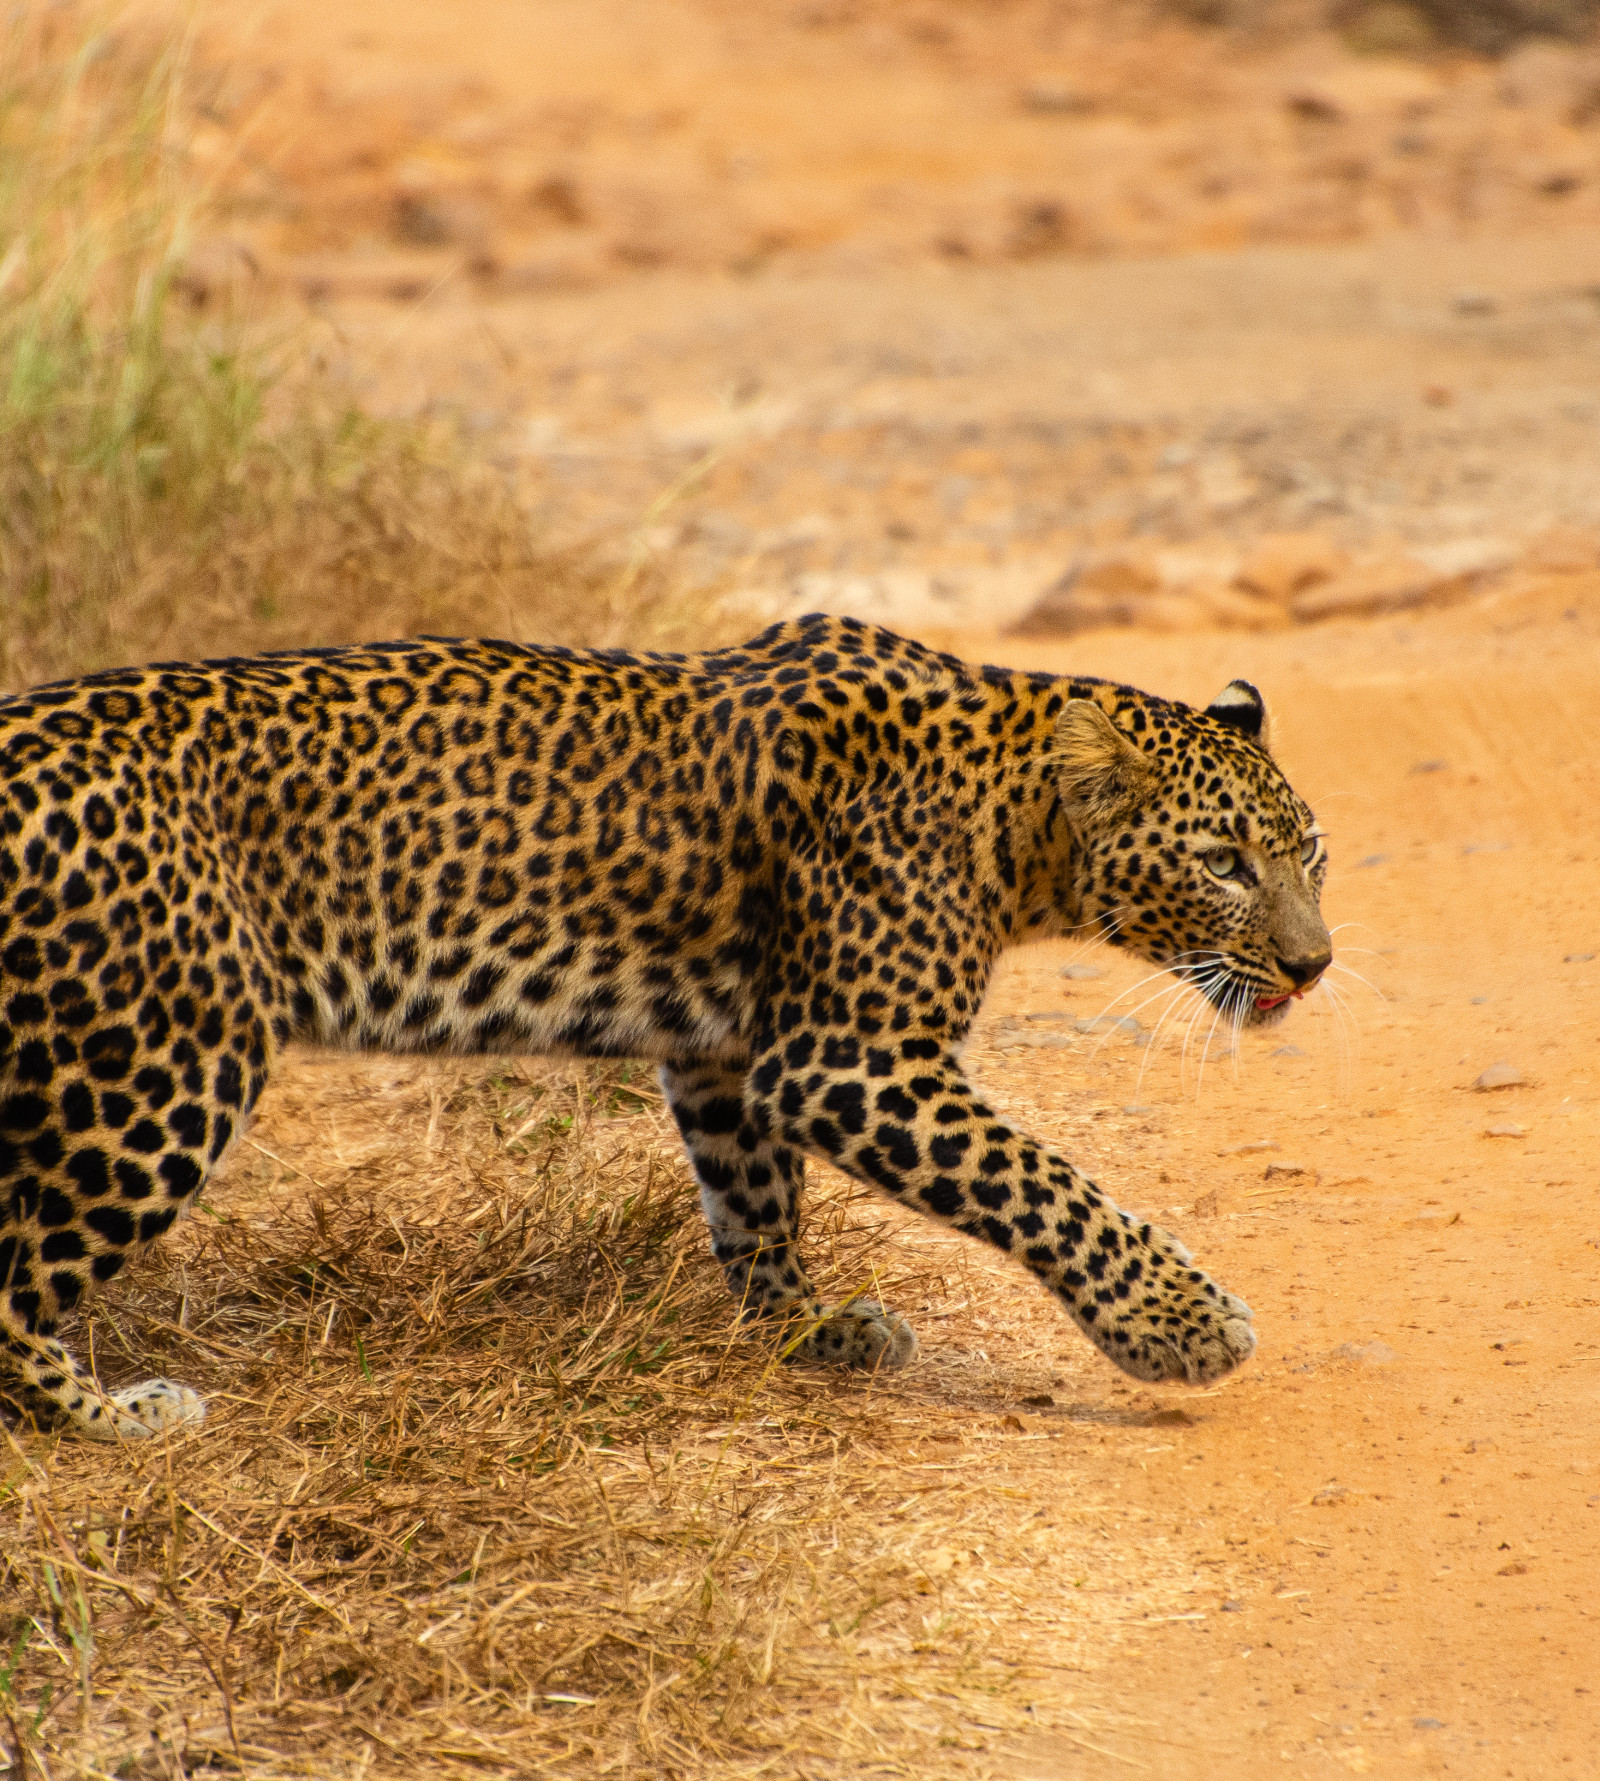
55,1388
750,1192
79,1196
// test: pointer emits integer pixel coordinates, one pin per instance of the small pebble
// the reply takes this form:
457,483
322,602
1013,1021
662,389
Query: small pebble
1508,1130
1500,1075
1051,97
1329,1496
1577,958
1233,1607
1372,859
1251,1148
1430,767
1114,1023
1288,1051
1428,1725
1479,1001
1283,1169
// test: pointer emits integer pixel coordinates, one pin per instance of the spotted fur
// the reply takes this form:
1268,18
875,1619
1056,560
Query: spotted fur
783,871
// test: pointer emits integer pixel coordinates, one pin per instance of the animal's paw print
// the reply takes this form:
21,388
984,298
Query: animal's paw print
859,1334
141,1412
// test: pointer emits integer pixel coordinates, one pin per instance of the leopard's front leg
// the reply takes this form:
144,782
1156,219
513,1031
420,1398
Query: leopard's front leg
901,1116
750,1192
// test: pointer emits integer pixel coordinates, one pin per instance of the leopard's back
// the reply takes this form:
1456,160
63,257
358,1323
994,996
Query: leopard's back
440,845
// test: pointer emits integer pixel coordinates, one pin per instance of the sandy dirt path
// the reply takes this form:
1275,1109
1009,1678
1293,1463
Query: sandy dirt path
934,449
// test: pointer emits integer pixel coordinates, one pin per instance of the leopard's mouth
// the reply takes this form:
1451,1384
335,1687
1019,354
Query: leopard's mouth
1248,1003
1237,993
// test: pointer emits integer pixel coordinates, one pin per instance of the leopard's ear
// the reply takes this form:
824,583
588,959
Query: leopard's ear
1242,708
1099,770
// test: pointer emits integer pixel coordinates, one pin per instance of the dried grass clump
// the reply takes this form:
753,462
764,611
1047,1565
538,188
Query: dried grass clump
167,490
491,1486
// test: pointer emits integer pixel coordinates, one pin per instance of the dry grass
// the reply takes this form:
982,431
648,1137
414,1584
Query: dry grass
168,488
490,1485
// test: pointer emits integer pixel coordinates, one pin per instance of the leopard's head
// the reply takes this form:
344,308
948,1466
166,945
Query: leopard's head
1193,849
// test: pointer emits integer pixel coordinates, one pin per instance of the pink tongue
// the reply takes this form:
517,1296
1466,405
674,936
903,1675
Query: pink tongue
1275,1001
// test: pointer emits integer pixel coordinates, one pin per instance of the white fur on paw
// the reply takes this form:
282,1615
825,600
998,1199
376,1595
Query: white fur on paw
154,1406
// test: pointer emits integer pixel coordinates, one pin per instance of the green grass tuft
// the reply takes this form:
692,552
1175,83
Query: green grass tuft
183,484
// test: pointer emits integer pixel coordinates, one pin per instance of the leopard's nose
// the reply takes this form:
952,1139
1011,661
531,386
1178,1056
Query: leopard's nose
1302,973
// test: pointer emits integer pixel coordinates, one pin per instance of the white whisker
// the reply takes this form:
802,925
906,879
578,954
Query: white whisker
1242,1000
1188,1037
1205,1052
1345,971
1158,1032
1345,1019
1169,990
1139,985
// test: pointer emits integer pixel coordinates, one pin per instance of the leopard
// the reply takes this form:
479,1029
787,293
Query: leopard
782,871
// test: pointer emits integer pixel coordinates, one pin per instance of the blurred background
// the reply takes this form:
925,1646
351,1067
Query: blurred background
662,318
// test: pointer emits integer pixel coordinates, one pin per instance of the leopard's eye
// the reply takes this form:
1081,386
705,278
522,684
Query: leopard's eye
1222,862
1309,849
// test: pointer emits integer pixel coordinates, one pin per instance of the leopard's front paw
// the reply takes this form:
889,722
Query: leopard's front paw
1181,1328
1193,1340
860,1334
